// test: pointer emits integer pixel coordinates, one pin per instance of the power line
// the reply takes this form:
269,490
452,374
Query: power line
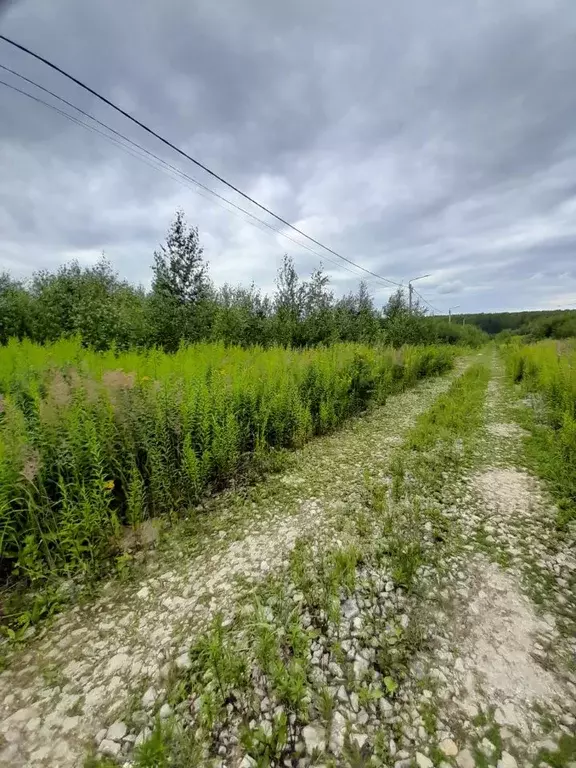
166,167
426,301
188,157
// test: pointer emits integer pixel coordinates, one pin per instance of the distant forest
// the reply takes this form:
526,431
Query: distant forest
544,324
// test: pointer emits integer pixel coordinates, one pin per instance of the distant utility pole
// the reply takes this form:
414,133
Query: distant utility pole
410,289
450,312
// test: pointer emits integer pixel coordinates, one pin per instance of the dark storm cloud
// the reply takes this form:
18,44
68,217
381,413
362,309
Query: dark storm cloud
413,137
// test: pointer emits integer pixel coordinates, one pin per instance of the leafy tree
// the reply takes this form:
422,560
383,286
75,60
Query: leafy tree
356,317
241,316
15,309
467,335
403,325
183,306
366,317
179,268
318,309
288,304
557,323
180,306
91,302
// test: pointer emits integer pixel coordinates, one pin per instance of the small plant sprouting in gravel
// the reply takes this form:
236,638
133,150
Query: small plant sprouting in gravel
325,705
266,745
219,672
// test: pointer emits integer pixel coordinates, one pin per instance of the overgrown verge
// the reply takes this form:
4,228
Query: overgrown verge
547,373
317,669
94,444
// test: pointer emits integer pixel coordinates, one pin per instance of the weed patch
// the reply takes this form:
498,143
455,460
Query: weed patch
93,445
549,371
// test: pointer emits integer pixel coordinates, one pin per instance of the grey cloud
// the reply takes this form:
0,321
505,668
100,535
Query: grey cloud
411,137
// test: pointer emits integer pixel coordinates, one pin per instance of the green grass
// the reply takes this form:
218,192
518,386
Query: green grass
442,440
455,415
548,370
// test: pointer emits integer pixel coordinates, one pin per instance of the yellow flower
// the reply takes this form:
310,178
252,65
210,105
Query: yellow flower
109,485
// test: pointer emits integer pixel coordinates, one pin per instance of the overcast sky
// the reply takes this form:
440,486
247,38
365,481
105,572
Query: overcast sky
411,136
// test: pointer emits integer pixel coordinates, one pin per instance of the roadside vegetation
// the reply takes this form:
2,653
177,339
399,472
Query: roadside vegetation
92,444
547,374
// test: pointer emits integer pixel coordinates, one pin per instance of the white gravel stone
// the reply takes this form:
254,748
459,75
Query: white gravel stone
183,662
360,739
470,709
33,724
100,735
338,732
314,738
117,731
165,711
507,761
109,748
354,702
69,723
465,759
22,716
360,667
143,736
117,663
349,609
386,708
335,669
448,747
423,761
149,697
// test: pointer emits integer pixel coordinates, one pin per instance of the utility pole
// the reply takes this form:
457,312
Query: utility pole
410,290
450,312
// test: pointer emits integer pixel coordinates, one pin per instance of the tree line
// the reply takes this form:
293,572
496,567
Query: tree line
534,325
184,305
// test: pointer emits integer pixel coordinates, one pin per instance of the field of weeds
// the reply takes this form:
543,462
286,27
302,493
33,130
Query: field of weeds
94,444
547,372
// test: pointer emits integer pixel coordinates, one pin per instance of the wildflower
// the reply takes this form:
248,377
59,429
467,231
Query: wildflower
31,465
109,484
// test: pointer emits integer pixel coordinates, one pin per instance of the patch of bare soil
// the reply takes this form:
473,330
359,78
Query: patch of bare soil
500,429
502,648
506,491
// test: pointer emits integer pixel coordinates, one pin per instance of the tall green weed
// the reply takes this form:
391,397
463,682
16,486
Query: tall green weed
93,442
548,369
